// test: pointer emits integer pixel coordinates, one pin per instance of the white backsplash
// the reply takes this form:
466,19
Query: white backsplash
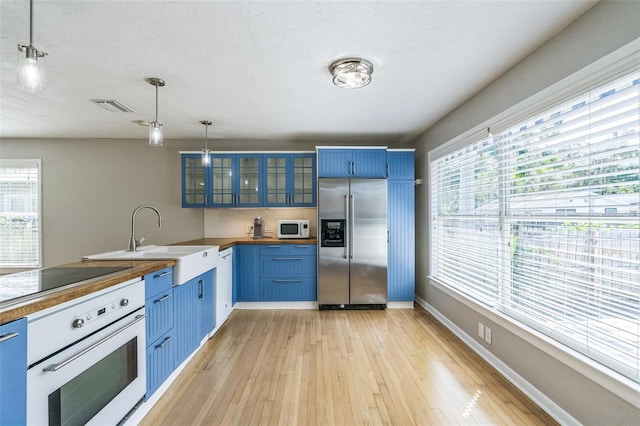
233,222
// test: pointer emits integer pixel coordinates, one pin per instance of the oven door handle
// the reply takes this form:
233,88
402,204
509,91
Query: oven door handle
56,367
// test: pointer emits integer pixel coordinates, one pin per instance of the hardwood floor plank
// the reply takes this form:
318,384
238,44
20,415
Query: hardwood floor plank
395,367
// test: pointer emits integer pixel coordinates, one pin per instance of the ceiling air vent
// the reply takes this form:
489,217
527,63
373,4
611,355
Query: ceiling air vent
111,105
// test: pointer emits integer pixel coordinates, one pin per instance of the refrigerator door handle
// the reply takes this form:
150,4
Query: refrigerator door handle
347,237
351,221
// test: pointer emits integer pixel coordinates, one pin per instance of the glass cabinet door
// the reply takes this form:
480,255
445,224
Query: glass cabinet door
303,180
222,185
276,180
194,185
249,180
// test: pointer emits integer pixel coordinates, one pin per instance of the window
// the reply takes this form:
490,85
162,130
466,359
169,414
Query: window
541,222
20,213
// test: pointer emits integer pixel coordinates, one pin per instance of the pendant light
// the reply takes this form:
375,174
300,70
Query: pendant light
32,73
206,154
351,73
155,127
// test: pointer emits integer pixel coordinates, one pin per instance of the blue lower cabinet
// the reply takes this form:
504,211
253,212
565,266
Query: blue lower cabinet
13,373
248,272
159,311
160,361
288,289
207,285
187,318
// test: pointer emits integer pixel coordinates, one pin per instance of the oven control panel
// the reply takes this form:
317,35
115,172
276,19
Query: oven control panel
99,312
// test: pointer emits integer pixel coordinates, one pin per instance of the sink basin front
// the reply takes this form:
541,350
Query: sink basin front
191,261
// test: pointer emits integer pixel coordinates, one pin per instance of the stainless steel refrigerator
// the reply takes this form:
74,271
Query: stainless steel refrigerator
352,246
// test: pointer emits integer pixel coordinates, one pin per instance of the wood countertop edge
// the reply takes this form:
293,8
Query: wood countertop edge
30,305
226,242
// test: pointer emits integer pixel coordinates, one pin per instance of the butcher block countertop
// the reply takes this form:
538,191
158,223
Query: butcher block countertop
17,308
227,242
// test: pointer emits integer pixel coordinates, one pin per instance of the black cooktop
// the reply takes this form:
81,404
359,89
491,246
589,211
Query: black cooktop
42,280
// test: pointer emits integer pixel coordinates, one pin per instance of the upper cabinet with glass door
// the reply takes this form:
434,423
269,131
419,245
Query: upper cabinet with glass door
236,180
195,181
289,180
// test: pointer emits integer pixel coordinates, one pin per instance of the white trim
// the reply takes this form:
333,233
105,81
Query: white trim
617,384
284,151
400,305
550,407
276,305
401,150
319,148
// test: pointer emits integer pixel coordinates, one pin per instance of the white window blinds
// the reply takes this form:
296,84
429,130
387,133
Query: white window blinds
542,222
19,213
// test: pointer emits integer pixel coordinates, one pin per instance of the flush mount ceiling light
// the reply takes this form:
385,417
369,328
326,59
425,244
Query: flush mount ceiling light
206,154
155,127
351,73
32,73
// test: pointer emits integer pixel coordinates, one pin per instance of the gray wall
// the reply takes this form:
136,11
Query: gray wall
608,26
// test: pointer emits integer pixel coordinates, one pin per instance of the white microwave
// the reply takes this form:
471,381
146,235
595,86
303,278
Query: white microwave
293,229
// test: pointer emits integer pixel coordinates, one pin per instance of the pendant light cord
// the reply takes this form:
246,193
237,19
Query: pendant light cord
156,100
31,23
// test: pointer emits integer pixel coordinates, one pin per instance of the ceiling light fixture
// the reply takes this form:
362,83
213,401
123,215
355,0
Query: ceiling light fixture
351,73
155,127
206,154
32,73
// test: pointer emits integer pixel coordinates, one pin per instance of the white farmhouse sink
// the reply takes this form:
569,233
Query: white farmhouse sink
191,261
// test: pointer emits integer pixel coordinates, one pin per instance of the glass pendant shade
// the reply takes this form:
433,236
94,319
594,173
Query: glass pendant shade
206,158
155,134
32,73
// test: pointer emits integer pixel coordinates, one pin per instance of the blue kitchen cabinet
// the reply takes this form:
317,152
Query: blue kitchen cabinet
196,181
13,373
207,285
236,180
161,361
401,222
187,319
289,180
288,272
401,164
352,163
248,272
160,333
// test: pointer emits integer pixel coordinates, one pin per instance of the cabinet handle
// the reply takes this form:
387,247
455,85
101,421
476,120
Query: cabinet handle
164,342
164,274
201,295
8,336
225,256
302,247
287,258
388,170
354,168
273,246
162,299
287,281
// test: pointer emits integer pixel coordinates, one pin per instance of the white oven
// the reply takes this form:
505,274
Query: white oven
98,374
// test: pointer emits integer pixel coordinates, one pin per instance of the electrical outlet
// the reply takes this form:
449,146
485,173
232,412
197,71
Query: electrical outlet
487,335
481,330
267,228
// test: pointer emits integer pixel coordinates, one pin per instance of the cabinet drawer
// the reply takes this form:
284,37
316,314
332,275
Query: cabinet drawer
159,310
160,361
158,281
271,249
279,289
287,265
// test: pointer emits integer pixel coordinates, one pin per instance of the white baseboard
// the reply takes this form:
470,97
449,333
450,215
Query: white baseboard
400,305
544,402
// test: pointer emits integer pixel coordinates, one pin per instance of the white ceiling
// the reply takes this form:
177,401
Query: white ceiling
259,70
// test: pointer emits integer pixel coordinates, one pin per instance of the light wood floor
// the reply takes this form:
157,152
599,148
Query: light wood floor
307,367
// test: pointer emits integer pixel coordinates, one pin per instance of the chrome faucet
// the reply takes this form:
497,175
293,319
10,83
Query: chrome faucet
133,243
